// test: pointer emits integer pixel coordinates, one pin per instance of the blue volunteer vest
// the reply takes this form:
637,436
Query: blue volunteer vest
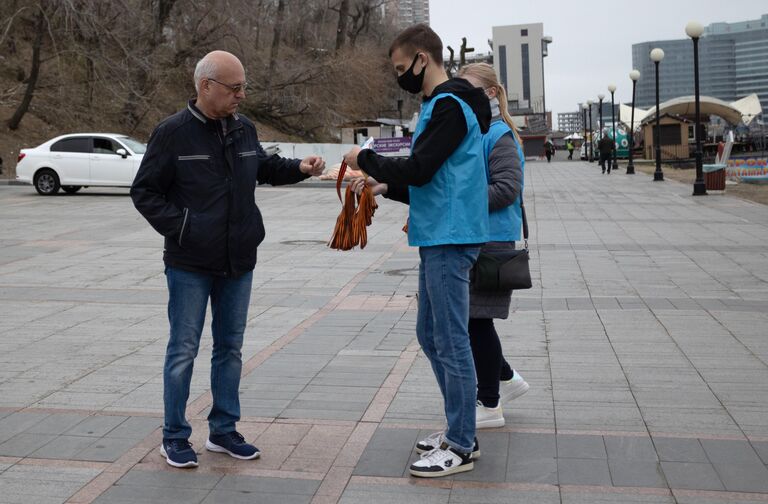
505,223
453,207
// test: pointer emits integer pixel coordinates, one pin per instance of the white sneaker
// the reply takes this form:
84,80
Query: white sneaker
488,418
512,388
435,439
442,461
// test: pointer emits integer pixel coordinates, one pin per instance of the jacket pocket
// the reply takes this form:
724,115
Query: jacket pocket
202,237
194,166
253,232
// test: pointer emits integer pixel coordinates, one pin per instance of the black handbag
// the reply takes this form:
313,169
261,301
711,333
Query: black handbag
504,271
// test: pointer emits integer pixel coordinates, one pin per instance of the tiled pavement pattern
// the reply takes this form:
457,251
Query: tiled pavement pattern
645,341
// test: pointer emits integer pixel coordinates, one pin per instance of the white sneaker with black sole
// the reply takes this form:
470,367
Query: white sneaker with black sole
512,388
442,461
435,439
488,418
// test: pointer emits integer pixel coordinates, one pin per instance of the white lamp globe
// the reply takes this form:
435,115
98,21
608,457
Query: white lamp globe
694,29
634,75
657,55
601,96
612,88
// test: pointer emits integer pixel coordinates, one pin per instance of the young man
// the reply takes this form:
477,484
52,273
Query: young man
444,181
196,187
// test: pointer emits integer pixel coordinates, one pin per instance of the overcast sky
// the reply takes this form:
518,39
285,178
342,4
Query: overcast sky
591,48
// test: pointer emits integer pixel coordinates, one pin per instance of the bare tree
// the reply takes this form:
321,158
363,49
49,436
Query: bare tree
126,64
34,73
341,30
276,36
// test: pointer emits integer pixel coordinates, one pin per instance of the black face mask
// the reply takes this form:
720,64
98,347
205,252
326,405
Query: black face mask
411,82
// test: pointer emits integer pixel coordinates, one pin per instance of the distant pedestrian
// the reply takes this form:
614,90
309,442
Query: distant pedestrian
195,186
606,146
549,149
570,148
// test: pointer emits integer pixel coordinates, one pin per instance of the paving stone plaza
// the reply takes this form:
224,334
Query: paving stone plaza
644,340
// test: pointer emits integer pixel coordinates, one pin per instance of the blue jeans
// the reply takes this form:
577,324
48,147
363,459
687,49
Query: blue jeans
188,295
441,328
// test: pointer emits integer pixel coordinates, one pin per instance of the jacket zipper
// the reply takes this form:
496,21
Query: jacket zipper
183,225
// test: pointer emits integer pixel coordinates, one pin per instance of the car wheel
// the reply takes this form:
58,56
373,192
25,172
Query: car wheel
71,189
47,182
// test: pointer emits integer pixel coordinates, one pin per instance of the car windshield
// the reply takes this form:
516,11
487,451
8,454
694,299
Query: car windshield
133,144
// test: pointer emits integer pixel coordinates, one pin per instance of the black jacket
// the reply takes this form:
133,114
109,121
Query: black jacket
196,185
441,137
606,145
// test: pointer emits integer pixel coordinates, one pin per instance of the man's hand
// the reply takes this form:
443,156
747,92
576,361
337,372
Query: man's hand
376,187
351,158
312,165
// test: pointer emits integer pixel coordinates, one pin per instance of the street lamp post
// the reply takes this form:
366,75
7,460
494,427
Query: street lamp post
634,75
695,30
584,120
657,55
612,89
545,41
591,134
600,99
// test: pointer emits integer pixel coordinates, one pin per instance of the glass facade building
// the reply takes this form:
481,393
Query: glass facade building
733,63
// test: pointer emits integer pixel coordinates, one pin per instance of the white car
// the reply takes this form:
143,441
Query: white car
71,162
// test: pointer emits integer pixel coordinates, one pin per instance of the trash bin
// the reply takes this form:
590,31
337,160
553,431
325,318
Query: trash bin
714,177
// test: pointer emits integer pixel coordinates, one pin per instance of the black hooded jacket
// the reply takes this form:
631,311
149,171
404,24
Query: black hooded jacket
441,137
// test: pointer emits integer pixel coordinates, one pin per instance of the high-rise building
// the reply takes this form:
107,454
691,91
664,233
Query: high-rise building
570,122
733,63
409,12
518,56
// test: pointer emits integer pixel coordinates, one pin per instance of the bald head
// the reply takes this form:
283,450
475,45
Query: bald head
220,84
213,64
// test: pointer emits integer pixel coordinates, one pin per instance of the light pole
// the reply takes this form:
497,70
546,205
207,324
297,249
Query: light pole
545,41
657,55
600,99
695,30
591,133
584,120
634,75
612,89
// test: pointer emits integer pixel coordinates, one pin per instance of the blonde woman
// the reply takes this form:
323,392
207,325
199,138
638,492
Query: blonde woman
497,382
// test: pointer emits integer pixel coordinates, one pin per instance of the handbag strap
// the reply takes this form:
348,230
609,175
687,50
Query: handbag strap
525,222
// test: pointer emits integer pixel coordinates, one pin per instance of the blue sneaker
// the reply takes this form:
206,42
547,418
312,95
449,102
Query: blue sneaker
178,453
233,444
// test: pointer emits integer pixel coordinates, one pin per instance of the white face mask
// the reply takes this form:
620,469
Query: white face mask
494,103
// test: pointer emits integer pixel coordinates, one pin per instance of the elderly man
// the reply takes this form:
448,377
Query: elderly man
196,187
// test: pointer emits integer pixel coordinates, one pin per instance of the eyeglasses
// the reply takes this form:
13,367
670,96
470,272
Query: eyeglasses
234,88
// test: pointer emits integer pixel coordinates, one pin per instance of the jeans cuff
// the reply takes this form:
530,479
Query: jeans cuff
458,447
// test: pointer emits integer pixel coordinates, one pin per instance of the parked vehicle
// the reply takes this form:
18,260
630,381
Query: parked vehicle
71,162
584,151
